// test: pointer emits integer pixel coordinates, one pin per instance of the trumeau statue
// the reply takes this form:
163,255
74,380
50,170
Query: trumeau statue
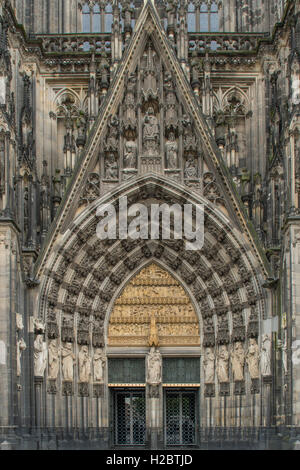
238,362
253,359
99,362
68,359
265,360
222,364
40,356
84,363
21,346
154,367
53,358
209,366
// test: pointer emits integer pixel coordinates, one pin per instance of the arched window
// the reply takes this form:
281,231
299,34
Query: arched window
108,18
204,20
95,19
203,17
86,18
191,19
214,18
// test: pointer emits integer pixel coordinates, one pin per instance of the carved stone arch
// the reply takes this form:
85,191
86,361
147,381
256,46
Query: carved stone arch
240,95
95,270
64,93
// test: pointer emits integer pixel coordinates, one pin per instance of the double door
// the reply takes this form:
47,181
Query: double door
179,418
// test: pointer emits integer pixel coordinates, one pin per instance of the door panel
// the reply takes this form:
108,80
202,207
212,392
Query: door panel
130,418
180,418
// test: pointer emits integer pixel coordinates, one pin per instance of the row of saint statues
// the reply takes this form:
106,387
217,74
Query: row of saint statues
54,354
258,361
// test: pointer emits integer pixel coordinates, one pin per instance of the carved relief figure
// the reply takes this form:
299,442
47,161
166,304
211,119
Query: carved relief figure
99,365
238,362
84,363
111,167
154,375
151,127
40,356
68,359
113,132
130,154
190,170
265,360
153,336
222,364
171,151
53,355
209,366
189,139
21,346
253,359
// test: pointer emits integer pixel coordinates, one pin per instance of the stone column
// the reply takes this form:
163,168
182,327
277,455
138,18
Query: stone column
8,337
38,383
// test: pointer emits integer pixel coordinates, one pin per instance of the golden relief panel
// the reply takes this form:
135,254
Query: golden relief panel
153,310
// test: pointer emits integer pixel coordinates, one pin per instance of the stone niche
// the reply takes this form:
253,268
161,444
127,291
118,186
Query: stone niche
153,306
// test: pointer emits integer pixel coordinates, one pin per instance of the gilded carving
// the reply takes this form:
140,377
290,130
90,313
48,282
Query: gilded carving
153,309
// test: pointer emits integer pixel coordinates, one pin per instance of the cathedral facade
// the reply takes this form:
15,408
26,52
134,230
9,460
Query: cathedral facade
138,342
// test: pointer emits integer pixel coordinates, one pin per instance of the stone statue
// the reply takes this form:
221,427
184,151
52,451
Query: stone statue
265,360
21,346
19,322
53,357
84,363
113,132
253,359
130,154
171,151
222,364
151,127
209,366
99,365
189,139
238,362
190,169
68,359
111,167
40,356
154,372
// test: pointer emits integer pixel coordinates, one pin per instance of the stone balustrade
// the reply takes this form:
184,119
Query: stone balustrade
73,43
222,42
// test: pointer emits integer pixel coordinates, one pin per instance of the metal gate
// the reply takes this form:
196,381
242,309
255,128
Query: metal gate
180,418
130,418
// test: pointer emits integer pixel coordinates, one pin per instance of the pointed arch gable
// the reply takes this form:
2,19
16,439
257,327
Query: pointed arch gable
148,25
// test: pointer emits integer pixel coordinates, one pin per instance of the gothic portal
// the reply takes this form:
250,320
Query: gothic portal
138,341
